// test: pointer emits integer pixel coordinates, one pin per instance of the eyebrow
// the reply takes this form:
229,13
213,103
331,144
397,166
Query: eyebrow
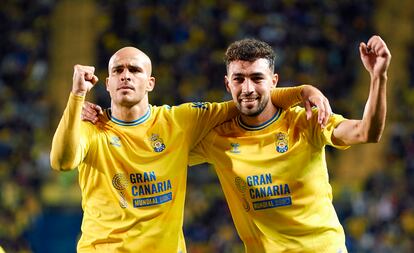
120,66
255,74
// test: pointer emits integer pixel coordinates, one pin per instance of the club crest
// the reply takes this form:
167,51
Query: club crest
282,144
157,143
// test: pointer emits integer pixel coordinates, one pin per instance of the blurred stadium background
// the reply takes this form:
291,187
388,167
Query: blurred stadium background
316,42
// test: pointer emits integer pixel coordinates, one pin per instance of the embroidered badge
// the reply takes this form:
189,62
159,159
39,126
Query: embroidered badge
115,141
281,142
157,143
235,148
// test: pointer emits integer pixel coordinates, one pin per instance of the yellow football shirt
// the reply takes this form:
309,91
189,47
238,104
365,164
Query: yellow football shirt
133,174
275,179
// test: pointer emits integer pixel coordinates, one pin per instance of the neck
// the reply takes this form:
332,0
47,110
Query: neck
264,116
129,113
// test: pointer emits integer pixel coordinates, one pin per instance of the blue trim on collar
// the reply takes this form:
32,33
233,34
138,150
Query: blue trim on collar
274,118
129,123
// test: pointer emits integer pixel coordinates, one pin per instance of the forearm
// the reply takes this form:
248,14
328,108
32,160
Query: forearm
287,97
65,152
373,120
370,127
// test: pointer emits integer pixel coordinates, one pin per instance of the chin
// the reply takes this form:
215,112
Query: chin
250,112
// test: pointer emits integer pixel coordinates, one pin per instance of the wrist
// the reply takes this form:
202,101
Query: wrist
303,89
380,76
79,93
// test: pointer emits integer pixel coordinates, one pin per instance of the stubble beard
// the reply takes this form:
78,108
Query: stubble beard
255,111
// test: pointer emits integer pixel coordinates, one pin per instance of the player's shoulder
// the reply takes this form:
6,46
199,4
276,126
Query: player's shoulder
189,106
227,128
296,110
296,113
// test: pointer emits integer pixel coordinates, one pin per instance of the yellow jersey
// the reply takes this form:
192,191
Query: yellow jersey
133,174
275,179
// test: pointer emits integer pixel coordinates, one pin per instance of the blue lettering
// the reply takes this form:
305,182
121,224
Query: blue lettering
287,190
251,191
152,176
134,190
249,181
276,190
268,178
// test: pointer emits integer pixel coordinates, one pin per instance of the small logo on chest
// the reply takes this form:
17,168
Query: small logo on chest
235,148
157,143
115,141
282,144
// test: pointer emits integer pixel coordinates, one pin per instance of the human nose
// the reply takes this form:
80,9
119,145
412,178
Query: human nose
125,75
247,86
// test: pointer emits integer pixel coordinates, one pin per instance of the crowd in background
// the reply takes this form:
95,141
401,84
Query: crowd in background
24,143
315,42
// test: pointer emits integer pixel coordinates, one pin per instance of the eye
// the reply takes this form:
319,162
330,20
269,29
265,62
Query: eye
118,70
257,79
133,69
238,79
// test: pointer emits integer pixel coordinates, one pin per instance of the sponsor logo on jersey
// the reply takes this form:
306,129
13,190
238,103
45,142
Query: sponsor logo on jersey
241,185
235,148
115,141
144,188
157,143
200,105
120,182
148,190
264,193
282,144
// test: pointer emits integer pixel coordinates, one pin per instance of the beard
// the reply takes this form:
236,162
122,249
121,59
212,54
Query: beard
253,110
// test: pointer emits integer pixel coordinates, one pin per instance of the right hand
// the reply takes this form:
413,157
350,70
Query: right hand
313,97
83,79
91,112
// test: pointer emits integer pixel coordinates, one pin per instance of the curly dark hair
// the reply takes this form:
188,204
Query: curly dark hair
250,50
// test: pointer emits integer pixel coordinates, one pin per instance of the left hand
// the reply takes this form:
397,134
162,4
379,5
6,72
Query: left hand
311,96
375,55
91,112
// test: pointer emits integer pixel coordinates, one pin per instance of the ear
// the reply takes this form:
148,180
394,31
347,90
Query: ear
227,83
275,79
107,84
151,84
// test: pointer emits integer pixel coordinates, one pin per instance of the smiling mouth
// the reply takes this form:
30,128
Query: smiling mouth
247,100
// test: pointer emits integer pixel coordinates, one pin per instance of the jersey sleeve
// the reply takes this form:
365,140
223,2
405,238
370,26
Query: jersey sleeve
70,145
198,118
286,97
327,133
321,137
200,154
196,156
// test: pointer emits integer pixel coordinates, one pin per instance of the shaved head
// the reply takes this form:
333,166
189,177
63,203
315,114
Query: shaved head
130,54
